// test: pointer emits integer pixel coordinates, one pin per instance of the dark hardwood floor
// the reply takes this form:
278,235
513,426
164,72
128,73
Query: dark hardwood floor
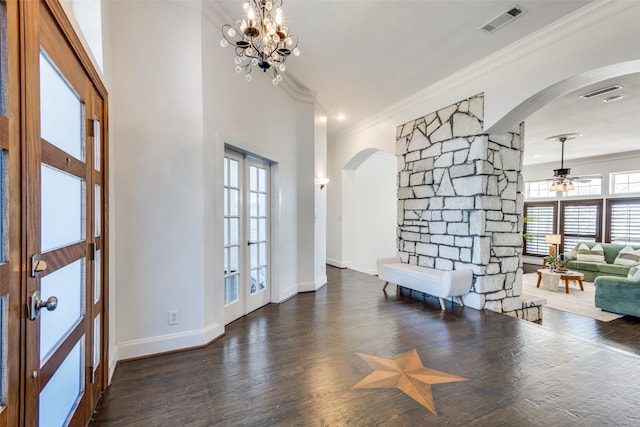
296,364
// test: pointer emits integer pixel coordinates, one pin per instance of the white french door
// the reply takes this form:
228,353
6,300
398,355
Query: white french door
247,283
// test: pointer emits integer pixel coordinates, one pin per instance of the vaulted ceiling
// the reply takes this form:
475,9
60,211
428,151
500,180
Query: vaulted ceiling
361,57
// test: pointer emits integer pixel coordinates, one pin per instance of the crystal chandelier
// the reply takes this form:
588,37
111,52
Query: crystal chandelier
260,39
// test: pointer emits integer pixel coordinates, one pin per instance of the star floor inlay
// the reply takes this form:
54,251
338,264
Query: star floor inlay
407,373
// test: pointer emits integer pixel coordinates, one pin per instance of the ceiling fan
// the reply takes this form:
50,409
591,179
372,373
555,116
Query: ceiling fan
561,180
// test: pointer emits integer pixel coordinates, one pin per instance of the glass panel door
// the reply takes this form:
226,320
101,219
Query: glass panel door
66,230
259,287
63,204
233,301
246,235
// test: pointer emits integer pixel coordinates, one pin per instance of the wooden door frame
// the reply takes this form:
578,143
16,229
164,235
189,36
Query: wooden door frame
29,42
11,272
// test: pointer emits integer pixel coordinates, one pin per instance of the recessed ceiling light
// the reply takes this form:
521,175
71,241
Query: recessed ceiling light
341,117
613,98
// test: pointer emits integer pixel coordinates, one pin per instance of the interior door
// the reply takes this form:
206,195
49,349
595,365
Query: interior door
64,332
259,286
247,285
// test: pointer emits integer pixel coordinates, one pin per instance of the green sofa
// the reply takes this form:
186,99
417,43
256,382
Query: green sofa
591,269
618,295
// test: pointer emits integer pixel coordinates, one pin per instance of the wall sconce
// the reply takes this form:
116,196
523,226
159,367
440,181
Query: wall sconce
553,240
323,182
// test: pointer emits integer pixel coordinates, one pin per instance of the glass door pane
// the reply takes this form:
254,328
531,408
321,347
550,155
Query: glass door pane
59,397
257,224
62,219
61,110
231,231
67,284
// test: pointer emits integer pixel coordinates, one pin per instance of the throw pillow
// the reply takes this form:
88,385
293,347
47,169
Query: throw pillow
595,254
628,256
634,273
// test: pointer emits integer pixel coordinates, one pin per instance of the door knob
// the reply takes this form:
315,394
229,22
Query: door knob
36,304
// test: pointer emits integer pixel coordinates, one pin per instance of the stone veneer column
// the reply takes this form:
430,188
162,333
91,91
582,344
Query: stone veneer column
460,203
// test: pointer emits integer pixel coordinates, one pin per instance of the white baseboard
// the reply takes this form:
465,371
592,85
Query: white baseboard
113,362
338,263
321,281
307,286
170,342
287,293
318,283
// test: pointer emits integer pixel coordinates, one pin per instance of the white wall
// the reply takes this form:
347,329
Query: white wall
175,102
604,165
320,211
375,211
156,128
598,35
340,214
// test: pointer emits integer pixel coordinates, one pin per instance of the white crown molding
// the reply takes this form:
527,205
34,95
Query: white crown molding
296,90
577,21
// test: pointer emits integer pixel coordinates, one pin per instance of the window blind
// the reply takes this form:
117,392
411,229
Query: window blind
624,222
580,222
541,219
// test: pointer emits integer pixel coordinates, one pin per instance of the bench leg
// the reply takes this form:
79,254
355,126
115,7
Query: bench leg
459,298
442,303
385,285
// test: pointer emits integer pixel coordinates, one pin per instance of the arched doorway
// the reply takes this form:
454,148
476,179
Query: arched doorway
369,209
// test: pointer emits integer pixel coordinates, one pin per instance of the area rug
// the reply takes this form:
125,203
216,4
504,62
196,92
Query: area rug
576,301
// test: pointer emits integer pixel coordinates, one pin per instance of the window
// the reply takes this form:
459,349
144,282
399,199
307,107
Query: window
587,186
541,220
538,190
625,182
623,221
580,221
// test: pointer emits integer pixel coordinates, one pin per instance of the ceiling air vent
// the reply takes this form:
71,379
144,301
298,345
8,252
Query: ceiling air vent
503,19
600,91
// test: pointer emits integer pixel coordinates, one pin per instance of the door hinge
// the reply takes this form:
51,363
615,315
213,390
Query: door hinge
92,251
93,375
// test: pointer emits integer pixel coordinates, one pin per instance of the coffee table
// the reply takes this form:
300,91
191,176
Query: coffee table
565,275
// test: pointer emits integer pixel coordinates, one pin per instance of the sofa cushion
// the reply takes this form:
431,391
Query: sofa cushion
595,254
583,265
618,270
628,256
634,273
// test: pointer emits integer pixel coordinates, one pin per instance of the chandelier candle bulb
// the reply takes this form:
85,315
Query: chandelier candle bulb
260,39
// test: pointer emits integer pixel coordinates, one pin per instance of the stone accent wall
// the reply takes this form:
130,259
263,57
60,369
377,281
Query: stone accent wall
460,202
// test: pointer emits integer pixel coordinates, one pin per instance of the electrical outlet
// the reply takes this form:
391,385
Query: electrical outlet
174,317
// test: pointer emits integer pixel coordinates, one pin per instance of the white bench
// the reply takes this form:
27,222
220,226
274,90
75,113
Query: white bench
439,283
